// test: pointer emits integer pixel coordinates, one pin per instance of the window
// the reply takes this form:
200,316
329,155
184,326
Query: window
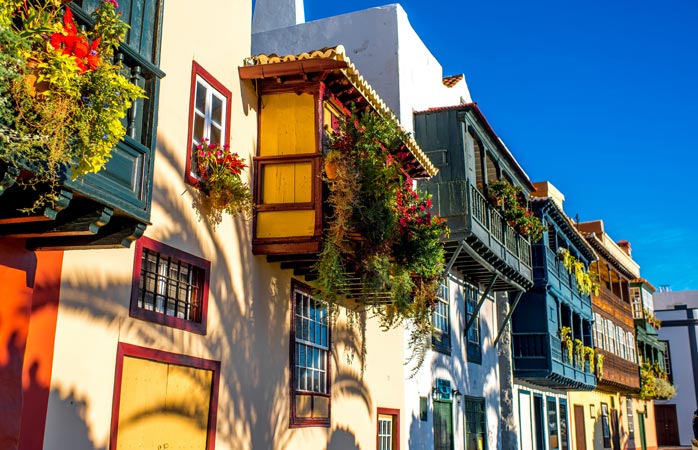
636,301
170,287
564,444
667,362
441,338
156,392
631,425
473,338
553,443
443,425
475,427
599,324
621,342
388,429
605,426
611,332
310,339
630,339
209,113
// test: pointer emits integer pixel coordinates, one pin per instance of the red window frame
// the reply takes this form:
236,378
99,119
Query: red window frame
152,354
396,424
295,421
198,70
153,316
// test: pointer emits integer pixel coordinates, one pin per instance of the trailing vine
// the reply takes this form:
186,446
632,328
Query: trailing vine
585,284
382,244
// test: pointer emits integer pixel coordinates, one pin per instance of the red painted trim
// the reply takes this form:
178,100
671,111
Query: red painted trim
163,319
396,421
170,358
299,422
38,355
197,69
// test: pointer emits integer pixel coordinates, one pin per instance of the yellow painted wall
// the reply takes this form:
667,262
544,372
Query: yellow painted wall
288,124
592,419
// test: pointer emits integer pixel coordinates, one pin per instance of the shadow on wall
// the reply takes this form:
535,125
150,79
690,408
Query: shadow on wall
342,439
69,423
250,338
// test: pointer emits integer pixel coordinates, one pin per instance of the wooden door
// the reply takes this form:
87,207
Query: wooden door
667,425
580,434
443,426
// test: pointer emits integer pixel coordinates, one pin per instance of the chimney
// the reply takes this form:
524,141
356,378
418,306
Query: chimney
545,189
274,14
625,246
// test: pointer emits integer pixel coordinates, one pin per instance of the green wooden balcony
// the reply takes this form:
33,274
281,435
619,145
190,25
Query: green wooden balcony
540,359
107,209
481,240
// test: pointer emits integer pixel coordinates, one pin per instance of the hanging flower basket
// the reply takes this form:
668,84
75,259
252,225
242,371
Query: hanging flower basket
219,172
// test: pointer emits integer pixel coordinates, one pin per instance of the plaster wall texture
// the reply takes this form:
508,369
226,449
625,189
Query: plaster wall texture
249,300
591,401
683,347
385,49
666,300
471,379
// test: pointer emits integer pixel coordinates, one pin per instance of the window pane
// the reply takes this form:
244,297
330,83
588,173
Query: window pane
217,110
215,135
200,98
198,129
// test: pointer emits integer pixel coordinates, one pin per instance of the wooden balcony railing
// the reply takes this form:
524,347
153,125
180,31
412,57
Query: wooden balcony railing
470,214
619,372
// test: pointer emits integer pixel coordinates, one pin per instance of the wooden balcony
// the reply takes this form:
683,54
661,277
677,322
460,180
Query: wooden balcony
552,273
613,307
107,209
540,359
303,97
481,242
619,374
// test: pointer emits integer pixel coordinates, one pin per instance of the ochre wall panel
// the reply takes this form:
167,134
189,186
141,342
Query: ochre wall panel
287,124
287,183
163,405
275,224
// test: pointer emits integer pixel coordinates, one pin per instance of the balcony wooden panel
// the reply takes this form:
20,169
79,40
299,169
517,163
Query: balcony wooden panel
539,358
613,307
492,245
619,374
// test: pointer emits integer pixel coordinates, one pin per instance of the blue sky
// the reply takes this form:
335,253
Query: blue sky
598,97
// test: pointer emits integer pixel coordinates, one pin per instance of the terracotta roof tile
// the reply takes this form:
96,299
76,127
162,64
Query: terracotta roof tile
452,80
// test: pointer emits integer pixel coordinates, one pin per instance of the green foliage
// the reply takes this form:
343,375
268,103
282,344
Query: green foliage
585,284
513,203
62,100
599,365
219,172
380,231
565,334
579,352
654,384
589,356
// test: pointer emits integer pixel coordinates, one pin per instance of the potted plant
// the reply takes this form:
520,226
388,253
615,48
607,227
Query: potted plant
64,94
584,281
565,334
599,365
220,179
511,200
589,356
579,352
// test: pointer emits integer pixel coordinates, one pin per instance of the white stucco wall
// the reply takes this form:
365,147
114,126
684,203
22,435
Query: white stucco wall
471,379
385,49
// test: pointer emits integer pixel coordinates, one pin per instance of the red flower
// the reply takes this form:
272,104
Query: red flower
77,46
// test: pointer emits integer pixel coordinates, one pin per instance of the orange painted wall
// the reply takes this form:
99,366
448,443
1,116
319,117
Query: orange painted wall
29,289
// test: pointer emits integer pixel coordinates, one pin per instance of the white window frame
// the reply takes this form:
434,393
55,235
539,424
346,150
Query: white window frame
620,340
611,331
